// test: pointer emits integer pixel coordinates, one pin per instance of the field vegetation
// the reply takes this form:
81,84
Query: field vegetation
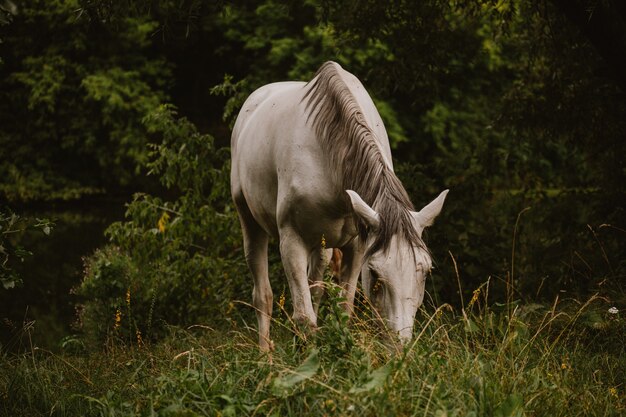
561,360
518,107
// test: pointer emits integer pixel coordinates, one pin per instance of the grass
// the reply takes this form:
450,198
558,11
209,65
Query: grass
566,359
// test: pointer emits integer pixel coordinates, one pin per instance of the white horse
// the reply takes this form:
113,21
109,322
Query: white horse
312,160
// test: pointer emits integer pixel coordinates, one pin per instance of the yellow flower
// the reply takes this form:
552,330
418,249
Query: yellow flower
474,297
613,392
330,405
323,242
128,297
281,301
163,221
118,318
564,366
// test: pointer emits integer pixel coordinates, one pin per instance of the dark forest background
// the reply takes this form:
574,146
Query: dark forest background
120,112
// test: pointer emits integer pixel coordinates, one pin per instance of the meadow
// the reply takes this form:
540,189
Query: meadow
564,359
115,122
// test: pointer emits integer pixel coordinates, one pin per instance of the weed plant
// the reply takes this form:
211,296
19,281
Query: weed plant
566,359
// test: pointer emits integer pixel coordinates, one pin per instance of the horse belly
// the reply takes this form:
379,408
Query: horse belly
254,180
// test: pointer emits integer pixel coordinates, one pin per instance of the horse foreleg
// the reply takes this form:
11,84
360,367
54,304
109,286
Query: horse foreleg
318,259
295,258
349,272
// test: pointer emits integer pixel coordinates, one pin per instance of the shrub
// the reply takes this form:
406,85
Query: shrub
173,260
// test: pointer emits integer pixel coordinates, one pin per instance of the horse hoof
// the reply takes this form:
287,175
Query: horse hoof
304,322
266,346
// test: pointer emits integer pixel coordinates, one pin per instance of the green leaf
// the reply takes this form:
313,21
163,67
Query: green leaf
8,283
471,326
305,371
375,379
594,320
513,406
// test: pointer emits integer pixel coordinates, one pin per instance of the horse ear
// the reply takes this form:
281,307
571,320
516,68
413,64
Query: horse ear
426,216
363,211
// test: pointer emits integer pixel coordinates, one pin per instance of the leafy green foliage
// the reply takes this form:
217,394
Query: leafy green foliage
498,101
12,226
465,92
288,41
177,260
504,102
74,91
282,384
501,101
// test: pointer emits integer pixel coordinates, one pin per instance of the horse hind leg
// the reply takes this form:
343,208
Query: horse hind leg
262,296
335,263
255,242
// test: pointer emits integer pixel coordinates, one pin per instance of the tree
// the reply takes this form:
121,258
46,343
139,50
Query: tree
73,92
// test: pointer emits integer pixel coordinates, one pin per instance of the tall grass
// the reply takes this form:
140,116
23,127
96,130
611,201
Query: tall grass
565,359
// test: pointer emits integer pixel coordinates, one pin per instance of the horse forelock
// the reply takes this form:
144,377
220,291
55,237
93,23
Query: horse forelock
356,159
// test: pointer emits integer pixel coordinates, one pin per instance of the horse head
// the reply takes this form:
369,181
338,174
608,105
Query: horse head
393,278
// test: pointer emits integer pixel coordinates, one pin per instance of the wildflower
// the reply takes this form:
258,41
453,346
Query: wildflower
139,339
163,221
613,392
330,405
564,366
613,310
281,301
231,306
118,318
128,297
474,297
323,242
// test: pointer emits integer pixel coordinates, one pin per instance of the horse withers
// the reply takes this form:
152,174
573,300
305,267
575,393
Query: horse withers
311,160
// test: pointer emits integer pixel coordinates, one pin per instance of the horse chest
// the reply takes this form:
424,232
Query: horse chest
315,214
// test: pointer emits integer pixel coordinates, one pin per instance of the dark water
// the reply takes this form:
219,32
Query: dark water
42,310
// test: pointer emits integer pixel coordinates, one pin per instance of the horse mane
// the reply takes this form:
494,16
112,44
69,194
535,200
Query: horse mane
355,158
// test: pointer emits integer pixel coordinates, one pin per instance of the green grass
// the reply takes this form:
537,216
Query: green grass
567,359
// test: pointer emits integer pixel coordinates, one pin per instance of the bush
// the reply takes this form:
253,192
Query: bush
174,261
